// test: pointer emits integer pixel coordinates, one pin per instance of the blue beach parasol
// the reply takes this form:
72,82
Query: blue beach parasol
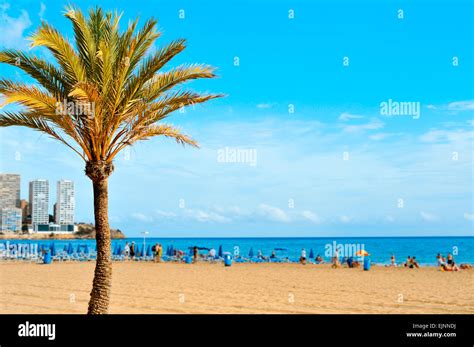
53,249
219,254
251,253
70,249
311,254
86,249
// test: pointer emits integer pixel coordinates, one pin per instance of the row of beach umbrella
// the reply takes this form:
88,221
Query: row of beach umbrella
139,251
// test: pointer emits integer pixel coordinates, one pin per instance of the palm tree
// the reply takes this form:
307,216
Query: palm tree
103,94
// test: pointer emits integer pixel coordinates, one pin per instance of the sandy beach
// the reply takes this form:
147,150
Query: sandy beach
242,288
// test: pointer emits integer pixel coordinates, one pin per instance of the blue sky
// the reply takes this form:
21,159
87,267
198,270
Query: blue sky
404,175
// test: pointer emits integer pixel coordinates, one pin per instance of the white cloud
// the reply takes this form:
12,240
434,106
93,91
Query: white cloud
164,214
469,216
273,213
141,217
203,216
265,105
379,136
42,10
429,217
345,219
458,135
348,116
461,105
12,28
311,216
374,124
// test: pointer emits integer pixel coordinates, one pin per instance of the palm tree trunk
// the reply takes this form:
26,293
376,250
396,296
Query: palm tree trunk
100,294
99,172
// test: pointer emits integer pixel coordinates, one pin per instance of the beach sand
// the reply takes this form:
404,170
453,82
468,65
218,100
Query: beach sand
243,288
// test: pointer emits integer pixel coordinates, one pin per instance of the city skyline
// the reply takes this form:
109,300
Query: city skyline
38,204
366,129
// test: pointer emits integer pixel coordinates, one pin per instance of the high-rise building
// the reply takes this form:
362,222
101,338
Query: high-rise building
39,202
10,219
65,203
9,190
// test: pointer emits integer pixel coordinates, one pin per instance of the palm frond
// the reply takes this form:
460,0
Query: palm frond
50,77
107,69
47,36
35,121
163,82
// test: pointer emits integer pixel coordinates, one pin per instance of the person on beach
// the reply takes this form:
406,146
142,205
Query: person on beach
132,251
414,263
303,256
440,260
408,262
392,260
126,251
442,263
335,260
451,263
158,252
273,256
195,254
319,259
212,254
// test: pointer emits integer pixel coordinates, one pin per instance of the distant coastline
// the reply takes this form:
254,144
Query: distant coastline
85,231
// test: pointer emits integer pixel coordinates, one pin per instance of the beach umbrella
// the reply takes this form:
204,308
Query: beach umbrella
119,249
362,252
86,249
171,250
219,254
65,249
251,253
70,249
199,248
148,251
53,249
311,254
78,250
